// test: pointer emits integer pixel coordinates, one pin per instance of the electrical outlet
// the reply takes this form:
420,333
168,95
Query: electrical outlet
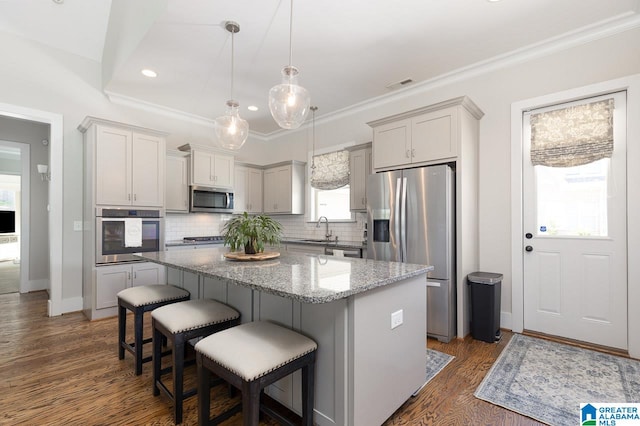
77,225
396,319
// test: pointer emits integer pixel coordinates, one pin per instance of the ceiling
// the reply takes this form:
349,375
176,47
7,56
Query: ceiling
347,52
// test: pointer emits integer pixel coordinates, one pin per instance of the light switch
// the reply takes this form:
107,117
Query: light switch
77,225
396,319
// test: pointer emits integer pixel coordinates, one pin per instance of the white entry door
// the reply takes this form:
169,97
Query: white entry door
575,243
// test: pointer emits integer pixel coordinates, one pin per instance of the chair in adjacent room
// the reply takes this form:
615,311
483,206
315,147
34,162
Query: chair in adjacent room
250,357
179,323
139,300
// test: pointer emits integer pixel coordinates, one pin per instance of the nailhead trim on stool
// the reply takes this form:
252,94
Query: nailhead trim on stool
139,300
250,357
179,323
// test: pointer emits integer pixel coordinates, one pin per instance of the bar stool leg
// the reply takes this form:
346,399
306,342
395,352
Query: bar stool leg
138,319
122,326
178,378
157,360
308,374
204,393
251,403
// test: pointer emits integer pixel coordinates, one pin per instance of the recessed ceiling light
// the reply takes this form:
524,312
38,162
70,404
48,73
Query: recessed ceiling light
149,73
252,108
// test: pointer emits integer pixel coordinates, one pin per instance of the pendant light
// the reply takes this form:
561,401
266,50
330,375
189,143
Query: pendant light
289,102
231,130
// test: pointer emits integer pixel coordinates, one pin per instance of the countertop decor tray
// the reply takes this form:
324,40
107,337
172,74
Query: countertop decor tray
247,257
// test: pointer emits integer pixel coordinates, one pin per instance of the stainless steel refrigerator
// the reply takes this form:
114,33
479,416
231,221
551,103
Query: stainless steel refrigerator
411,218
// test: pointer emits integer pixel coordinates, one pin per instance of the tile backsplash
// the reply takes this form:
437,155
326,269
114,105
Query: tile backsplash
178,226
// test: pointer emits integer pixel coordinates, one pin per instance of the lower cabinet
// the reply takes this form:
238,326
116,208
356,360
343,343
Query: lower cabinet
110,279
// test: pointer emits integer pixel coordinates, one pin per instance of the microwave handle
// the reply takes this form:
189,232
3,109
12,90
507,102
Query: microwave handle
228,203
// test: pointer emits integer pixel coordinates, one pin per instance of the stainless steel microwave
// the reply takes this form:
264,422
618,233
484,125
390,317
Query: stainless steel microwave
210,200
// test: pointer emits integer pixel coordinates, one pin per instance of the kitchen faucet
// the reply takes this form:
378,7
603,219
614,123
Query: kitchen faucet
327,233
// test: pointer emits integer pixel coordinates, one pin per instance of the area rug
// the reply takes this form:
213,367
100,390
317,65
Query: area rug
547,381
436,361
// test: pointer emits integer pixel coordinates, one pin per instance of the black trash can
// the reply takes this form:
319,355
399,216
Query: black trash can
485,306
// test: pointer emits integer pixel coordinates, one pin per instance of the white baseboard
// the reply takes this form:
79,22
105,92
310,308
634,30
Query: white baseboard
505,320
36,285
73,304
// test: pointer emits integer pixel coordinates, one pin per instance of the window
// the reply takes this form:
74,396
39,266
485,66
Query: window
333,204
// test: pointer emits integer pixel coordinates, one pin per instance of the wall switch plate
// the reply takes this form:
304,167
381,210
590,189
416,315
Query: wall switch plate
396,319
77,225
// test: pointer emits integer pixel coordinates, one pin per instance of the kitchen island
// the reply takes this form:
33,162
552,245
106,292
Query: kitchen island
368,318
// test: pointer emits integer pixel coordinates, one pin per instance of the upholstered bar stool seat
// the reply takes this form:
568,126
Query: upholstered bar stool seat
250,357
179,323
139,300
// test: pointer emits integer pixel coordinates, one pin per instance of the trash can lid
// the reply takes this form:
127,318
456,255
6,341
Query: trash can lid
484,277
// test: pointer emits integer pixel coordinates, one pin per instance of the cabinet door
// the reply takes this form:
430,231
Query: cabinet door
109,281
113,166
241,190
254,190
177,185
360,168
201,168
148,273
148,170
270,201
392,144
434,136
223,175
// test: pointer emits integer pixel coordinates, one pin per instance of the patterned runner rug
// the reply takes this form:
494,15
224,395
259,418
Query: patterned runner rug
436,361
548,381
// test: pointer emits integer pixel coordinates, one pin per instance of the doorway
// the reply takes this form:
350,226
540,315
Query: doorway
10,212
630,84
574,214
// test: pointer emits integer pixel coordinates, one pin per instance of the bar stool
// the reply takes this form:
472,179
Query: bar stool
179,323
139,300
250,357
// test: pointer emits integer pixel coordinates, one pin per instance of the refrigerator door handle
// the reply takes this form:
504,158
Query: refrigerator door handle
398,219
403,220
433,284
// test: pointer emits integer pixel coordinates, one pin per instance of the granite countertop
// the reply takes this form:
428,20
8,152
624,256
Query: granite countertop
289,240
306,278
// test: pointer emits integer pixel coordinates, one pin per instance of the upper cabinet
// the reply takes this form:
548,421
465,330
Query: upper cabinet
211,169
284,188
423,136
359,169
126,164
247,189
177,183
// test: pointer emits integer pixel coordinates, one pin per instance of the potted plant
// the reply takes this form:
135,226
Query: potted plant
251,232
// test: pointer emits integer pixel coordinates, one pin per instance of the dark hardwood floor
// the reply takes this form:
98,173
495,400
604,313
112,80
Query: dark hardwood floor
65,371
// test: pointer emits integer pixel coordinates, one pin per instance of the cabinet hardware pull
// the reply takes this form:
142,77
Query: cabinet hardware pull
413,152
128,197
407,153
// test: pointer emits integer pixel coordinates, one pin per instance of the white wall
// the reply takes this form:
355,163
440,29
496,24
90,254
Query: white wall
46,79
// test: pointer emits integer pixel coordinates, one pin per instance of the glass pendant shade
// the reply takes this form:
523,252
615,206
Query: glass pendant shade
288,102
231,130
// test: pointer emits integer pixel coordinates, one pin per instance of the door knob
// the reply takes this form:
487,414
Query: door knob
528,248
528,235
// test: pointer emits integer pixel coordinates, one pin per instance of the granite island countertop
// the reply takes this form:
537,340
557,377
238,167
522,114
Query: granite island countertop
303,277
289,240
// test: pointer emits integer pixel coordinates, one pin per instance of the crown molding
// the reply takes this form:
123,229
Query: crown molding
590,33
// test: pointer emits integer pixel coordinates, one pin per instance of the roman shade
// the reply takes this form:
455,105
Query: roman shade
330,171
572,136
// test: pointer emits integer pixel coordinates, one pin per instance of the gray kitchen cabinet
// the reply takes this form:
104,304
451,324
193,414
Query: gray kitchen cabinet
359,170
284,185
247,189
424,136
128,163
305,248
186,280
110,279
177,184
211,169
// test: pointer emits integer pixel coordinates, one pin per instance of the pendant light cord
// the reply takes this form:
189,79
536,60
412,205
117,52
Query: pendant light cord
232,64
291,35
313,137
